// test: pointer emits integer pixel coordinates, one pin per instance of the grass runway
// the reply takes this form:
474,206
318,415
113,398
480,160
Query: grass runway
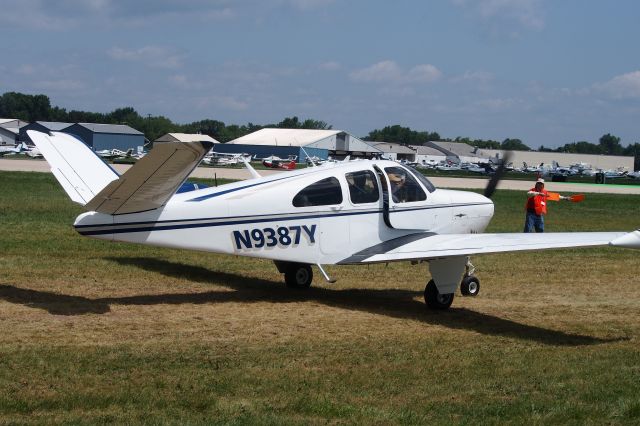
98,332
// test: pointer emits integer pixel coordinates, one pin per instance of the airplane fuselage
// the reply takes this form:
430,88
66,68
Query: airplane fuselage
264,218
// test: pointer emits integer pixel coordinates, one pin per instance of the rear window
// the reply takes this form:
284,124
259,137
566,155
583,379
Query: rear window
363,187
325,192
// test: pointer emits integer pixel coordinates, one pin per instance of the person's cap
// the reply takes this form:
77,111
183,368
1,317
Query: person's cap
395,178
540,180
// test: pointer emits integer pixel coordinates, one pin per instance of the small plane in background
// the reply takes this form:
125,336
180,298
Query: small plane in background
223,159
274,162
111,154
344,213
13,149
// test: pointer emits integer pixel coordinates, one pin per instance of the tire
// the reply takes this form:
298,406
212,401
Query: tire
434,299
470,286
298,275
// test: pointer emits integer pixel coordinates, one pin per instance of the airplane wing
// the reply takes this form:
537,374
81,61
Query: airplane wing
425,245
150,183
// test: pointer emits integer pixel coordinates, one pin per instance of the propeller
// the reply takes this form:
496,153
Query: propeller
497,176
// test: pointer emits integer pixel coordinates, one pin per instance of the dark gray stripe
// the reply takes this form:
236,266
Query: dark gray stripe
385,247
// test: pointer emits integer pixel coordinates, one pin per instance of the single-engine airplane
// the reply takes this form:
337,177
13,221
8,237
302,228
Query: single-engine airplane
274,162
344,213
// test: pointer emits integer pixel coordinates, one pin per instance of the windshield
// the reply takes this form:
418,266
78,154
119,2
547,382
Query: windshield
422,178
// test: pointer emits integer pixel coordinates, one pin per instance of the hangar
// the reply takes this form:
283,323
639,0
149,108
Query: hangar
286,142
185,137
107,136
10,130
534,158
42,126
395,151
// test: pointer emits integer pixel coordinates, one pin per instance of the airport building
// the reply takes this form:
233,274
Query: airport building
185,137
107,136
299,142
535,158
427,155
10,130
395,151
42,126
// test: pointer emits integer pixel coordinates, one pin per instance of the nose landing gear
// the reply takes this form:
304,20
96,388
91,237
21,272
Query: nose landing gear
470,285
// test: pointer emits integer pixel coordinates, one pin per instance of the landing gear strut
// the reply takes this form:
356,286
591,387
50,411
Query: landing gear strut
434,299
296,275
470,285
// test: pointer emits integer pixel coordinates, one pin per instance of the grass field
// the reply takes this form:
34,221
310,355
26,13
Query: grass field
97,332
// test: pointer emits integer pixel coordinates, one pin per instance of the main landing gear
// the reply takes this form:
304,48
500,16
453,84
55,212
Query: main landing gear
470,285
296,275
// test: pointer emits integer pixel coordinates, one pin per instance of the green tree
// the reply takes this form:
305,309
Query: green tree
25,107
514,145
400,134
610,144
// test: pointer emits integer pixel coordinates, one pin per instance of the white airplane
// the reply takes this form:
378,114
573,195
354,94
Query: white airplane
346,213
14,149
223,159
115,153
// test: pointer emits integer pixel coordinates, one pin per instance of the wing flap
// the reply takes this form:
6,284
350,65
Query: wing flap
431,246
152,181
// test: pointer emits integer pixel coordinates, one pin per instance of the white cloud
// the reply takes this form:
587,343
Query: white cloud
309,4
389,71
155,56
498,13
382,71
425,73
625,86
330,66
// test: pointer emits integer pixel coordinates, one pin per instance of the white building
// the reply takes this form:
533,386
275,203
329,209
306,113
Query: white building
185,137
10,130
426,155
320,143
535,158
395,151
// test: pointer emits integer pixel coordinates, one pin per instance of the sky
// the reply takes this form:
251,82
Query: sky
548,72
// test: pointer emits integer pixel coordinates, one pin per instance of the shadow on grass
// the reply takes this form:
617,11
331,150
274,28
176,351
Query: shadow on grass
392,303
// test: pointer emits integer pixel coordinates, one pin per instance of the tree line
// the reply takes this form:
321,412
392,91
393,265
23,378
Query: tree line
38,108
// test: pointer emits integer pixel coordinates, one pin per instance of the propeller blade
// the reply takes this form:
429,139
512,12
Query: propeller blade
495,179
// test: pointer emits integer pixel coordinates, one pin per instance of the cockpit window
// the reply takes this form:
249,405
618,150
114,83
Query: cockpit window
363,187
325,192
404,187
422,178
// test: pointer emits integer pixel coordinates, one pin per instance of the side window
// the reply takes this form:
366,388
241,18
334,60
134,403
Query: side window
404,187
363,187
325,192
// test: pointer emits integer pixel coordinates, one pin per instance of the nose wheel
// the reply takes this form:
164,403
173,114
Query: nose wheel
470,286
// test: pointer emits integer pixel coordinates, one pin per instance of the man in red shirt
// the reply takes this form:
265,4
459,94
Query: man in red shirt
537,207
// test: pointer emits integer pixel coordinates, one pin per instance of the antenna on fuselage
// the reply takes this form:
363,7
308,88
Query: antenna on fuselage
308,158
249,167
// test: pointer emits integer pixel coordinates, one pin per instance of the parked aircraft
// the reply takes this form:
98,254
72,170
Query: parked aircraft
13,149
280,163
114,153
347,213
223,159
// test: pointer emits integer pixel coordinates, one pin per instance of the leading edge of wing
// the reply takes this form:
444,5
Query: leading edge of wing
426,245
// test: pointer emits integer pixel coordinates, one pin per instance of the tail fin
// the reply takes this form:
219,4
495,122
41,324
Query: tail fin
79,170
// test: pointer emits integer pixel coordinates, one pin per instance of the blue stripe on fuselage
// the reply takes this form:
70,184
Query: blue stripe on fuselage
187,223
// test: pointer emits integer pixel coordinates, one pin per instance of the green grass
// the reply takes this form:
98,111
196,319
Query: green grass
96,332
